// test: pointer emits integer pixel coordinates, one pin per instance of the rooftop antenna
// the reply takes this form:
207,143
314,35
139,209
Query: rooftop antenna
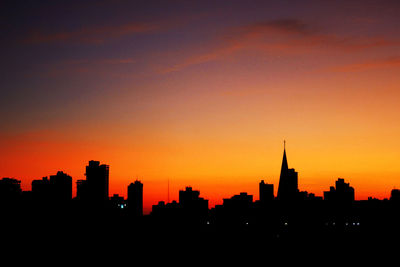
284,144
168,190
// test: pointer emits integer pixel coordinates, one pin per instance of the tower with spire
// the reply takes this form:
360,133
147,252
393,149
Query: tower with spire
288,181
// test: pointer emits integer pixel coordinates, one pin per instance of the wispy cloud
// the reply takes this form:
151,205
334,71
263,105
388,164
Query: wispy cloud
389,62
290,36
281,26
203,58
93,34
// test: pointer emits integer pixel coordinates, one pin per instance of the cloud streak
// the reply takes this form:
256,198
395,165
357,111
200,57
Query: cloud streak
284,36
369,65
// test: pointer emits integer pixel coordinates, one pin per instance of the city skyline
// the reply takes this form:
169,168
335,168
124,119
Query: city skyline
287,189
202,93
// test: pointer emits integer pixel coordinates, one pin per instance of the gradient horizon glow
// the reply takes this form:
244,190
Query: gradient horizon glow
202,93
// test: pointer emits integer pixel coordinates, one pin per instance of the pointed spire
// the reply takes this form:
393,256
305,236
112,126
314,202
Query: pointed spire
284,167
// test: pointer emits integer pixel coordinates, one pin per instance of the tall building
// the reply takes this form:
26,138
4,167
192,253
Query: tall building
288,181
266,192
97,177
135,198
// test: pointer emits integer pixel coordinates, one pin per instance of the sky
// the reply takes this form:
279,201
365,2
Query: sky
202,94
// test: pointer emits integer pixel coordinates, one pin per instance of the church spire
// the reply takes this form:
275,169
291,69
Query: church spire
288,181
284,167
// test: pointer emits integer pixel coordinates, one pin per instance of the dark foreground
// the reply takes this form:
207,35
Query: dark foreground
88,236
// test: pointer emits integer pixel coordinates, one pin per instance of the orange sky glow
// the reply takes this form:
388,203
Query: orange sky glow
206,100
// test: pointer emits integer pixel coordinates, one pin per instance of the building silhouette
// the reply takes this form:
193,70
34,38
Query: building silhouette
61,186
288,181
395,195
234,211
163,210
10,189
266,192
117,202
135,198
190,199
41,189
192,205
343,193
95,188
167,213
57,189
82,190
238,202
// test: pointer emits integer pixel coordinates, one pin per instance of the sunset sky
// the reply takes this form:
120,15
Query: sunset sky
202,93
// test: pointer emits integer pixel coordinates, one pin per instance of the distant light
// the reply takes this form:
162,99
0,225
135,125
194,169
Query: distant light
247,223
208,222
286,223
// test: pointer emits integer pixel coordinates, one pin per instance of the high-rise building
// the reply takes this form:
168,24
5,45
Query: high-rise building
266,192
135,198
288,181
97,177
